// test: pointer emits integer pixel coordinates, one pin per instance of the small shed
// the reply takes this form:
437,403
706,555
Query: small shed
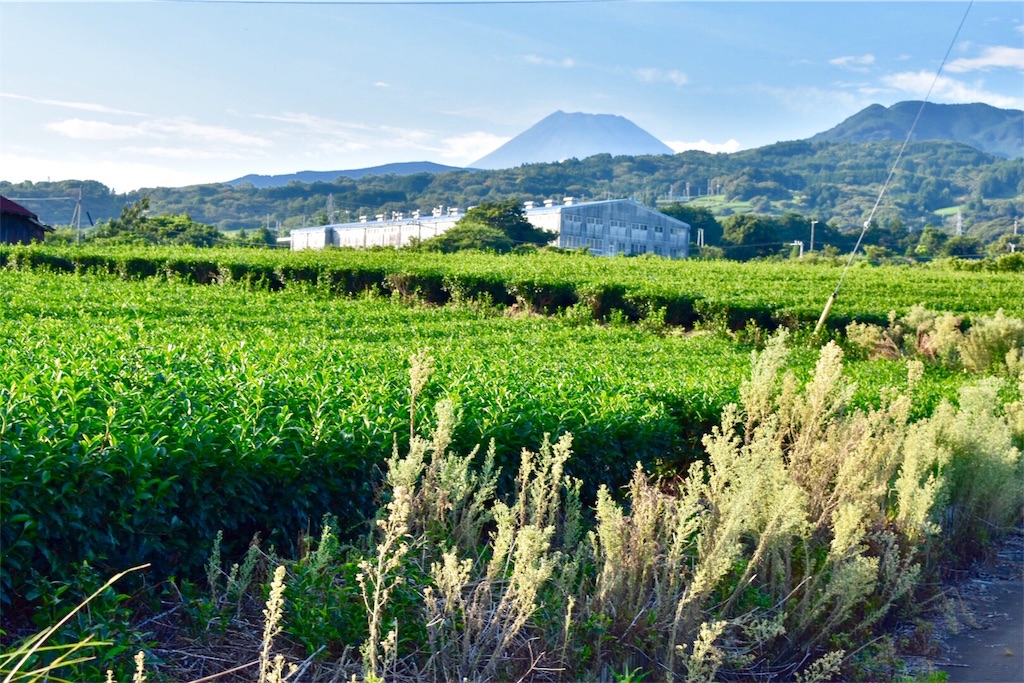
18,225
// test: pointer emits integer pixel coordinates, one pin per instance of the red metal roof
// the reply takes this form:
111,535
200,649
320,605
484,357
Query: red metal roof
7,206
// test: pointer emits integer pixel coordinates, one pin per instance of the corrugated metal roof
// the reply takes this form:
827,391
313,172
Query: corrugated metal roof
7,206
15,209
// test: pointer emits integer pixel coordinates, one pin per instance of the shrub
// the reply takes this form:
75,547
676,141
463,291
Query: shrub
991,344
986,345
798,534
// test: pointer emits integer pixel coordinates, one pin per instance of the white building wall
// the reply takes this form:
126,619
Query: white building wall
606,228
613,227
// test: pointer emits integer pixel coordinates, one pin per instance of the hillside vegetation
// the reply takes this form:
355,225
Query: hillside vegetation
835,183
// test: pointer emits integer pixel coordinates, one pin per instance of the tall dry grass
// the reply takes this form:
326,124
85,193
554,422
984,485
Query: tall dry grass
775,557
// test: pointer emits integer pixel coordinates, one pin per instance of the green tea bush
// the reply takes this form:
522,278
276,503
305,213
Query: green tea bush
771,294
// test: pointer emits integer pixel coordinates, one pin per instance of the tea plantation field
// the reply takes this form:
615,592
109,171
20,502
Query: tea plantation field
140,413
139,418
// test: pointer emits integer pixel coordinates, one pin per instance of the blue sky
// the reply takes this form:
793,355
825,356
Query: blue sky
150,94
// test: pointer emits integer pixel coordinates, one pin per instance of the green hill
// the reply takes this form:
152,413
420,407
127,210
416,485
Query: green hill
996,131
832,182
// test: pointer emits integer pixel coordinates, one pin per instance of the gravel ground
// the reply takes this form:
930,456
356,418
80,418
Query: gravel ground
981,637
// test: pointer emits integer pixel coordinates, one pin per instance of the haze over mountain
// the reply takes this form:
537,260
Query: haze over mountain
404,168
564,135
996,131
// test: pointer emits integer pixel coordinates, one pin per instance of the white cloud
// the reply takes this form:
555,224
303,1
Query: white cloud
83,106
333,135
315,124
652,75
381,84
78,129
187,128
566,63
853,63
729,146
156,129
991,58
948,89
468,148
182,153
806,100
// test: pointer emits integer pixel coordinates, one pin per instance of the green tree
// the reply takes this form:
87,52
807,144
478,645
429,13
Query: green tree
1006,244
135,226
261,237
699,218
469,234
961,245
132,221
507,216
930,244
748,236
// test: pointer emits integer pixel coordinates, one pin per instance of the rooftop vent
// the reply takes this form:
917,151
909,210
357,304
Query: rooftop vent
569,201
549,203
529,205
363,219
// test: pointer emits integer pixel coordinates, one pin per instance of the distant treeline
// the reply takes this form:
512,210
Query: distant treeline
835,183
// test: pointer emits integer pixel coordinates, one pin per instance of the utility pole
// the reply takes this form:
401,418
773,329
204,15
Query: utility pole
813,223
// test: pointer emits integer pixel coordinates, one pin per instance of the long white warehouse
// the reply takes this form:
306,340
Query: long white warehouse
606,228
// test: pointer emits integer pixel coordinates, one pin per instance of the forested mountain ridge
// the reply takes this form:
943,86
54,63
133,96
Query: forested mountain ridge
403,168
831,181
996,131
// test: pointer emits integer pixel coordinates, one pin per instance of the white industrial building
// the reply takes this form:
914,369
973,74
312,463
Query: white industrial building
606,228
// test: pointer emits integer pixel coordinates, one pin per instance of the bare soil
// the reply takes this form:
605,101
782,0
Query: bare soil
980,638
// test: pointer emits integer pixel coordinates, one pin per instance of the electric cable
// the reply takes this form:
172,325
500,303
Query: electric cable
892,172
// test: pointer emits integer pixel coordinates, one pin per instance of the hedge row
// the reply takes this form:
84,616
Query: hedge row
683,293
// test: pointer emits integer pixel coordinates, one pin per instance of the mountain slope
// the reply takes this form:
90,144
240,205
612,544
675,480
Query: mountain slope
563,136
405,168
996,131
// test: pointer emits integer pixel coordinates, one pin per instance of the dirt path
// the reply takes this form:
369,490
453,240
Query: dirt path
986,645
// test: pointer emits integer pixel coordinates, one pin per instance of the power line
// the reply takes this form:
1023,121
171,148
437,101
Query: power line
390,3
892,171
42,199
